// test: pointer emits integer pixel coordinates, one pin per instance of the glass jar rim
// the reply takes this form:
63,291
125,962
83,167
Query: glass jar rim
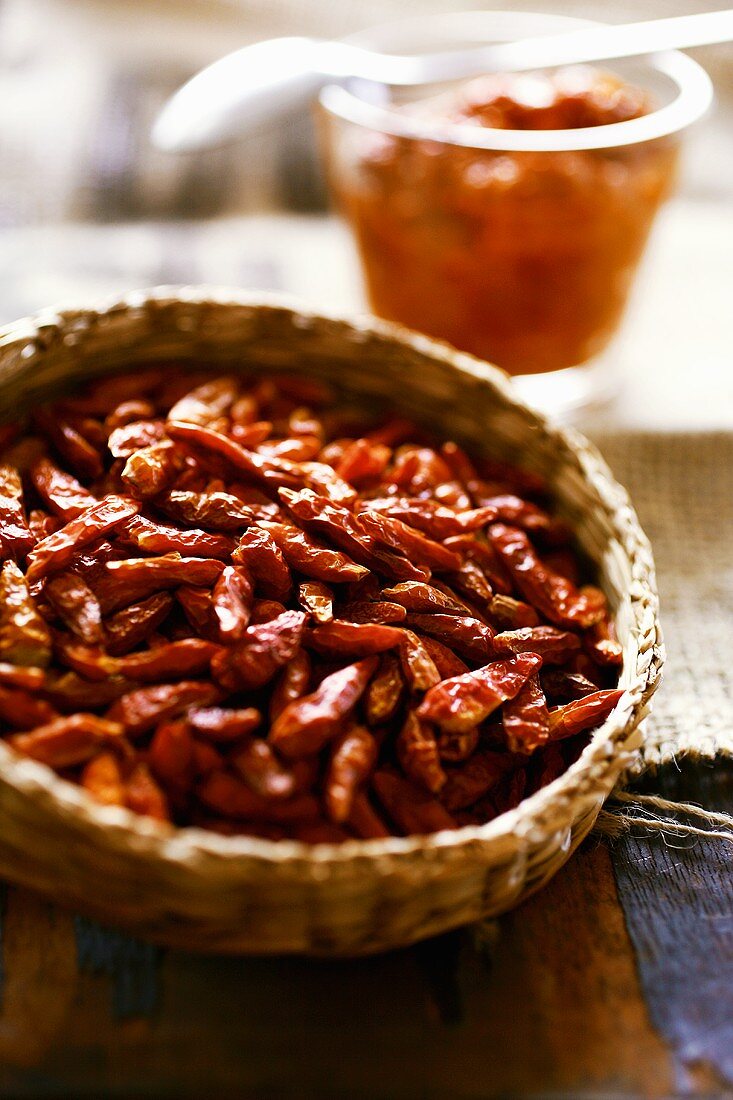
693,98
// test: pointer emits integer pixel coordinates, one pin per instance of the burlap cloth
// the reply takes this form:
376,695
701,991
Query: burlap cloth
682,487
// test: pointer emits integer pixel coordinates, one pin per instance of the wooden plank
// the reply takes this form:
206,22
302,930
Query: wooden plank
39,977
131,965
678,899
546,1000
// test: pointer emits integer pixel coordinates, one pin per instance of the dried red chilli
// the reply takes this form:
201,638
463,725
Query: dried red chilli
409,806
363,462
262,649
417,752
380,612
75,602
526,718
507,613
469,637
27,678
41,524
171,758
16,537
264,611
262,770
310,722
225,604
421,597
83,458
102,777
292,683
418,667
480,774
143,795
158,538
130,626
317,599
602,644
353,755
454,748
445,660
195,603
268,471
231,796
364,821
23,711
339,637
555,647
312,558
65,742
551,594
206,402
262,557
472,585
69,692
185,657
140,710
465,701
55,552
483,555
231,603
335,522
213,510
152,469
406,540
431,517
128,412
561,686
124,440
136,578
24,636
582,714
385,690
222,724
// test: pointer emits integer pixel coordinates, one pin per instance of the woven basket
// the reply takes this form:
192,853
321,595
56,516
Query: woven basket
199,890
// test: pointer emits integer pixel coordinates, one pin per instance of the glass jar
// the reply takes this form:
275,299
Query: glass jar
518,245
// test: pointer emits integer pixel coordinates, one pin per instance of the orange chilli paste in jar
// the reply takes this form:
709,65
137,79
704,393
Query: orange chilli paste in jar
523,258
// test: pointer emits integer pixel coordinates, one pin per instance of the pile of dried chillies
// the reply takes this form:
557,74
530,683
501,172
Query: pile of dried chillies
232,603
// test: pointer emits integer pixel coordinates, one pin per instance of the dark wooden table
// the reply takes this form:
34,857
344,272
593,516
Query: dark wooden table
616,980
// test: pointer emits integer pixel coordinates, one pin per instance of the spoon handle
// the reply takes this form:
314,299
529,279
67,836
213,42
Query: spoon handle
599,43
240,93
261,83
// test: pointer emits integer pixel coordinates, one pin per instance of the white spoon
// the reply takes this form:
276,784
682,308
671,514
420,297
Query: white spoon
260,83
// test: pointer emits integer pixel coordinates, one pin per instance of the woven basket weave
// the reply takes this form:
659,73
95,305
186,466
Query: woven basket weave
199,890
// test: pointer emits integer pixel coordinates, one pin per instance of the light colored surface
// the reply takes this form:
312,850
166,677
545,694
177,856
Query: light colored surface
681,485
673,359
674,356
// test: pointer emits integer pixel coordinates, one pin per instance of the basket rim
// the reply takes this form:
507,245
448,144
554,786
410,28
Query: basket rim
610,749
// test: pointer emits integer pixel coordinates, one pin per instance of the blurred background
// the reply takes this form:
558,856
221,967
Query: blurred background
88,207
